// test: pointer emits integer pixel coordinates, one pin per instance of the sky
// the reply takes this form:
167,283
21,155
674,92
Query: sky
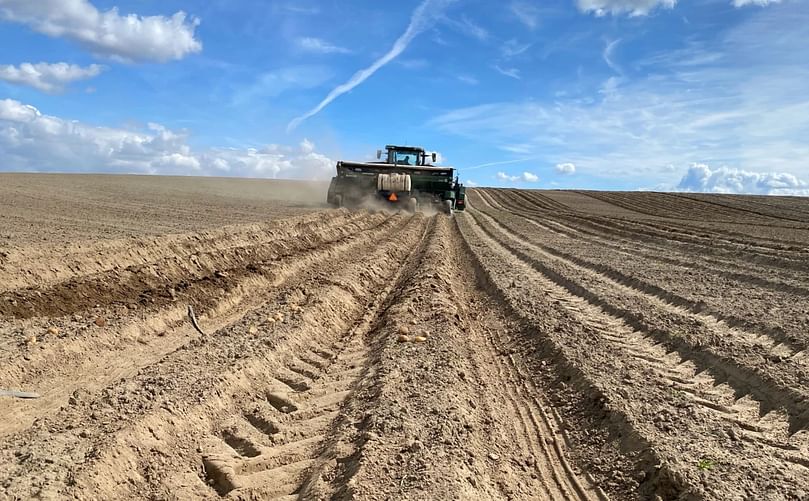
706,95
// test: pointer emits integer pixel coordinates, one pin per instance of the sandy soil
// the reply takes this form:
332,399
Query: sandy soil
542,345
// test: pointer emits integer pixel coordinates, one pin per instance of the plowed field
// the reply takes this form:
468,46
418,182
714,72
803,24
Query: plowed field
541,345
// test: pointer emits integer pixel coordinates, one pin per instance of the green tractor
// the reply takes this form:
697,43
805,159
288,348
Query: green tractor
405,179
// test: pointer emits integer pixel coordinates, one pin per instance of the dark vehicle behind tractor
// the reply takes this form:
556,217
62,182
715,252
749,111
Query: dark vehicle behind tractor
405,179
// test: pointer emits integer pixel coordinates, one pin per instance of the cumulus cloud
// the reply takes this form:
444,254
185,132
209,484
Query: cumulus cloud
528,177
32,141
618,7
502,176
423,18
701,178
565,168
128,37
311,44
471,184
48,77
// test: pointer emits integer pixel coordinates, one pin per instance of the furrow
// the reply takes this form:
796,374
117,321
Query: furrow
678,429
700,338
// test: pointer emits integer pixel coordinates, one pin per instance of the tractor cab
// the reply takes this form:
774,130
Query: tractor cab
405,155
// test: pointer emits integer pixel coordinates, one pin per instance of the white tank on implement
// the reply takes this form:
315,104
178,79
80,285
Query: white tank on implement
393,182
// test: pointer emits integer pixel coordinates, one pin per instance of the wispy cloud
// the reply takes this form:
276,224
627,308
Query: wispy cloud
512,48
526,13
276,82
468,27
509,72
745,108
608,56
320,46
422,19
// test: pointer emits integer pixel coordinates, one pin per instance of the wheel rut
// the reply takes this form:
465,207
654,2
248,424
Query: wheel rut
645,367
772,389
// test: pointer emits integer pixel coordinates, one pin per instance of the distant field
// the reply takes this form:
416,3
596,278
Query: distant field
540,345
58,207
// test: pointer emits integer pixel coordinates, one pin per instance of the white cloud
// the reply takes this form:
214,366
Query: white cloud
422,19
320,46
509,72
528,177
129,37
502,176
617,7
32,141
526,13
565,168
470,183
760,3
701,178
48,77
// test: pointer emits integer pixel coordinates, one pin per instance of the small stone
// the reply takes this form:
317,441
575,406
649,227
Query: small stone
100,322
494,457
403,329
53,330
404,339
31,340
419,339
253,329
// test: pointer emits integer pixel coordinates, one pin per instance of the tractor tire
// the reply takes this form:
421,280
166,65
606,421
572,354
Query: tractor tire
338,201
413,205
448,206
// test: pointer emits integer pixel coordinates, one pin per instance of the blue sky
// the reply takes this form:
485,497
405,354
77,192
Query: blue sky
602,94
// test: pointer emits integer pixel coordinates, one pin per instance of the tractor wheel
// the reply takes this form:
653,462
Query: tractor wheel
338,201
448,206
413,205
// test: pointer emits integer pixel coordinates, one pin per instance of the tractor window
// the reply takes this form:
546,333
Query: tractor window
403,158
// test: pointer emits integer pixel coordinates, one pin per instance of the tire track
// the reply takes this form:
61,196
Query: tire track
110,432
95,356
291,467
653,366
778,387
639,234
445,275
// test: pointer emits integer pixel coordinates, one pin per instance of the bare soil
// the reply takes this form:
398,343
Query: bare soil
541,345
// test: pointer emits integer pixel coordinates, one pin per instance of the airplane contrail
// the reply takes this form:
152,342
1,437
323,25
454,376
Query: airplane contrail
504,162
423,18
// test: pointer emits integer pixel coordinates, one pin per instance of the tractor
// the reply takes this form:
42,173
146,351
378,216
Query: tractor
405,178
